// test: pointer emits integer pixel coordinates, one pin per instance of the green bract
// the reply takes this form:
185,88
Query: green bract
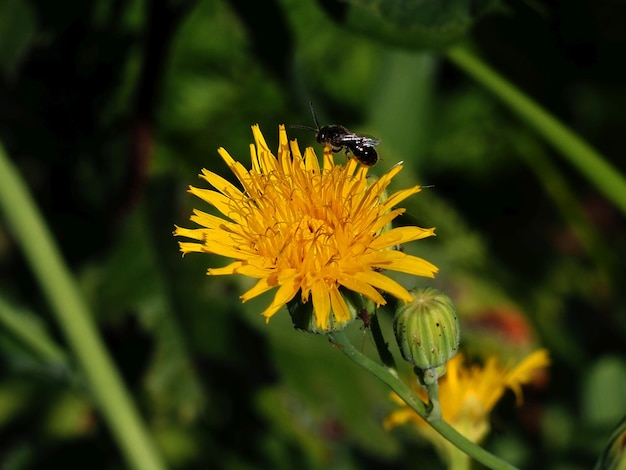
427,329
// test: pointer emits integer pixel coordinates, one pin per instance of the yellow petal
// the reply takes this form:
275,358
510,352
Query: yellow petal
236,167
283,144
284,294
399,196
401,262
229,269
219,201
385,283
383,220
364,288
400,235
339,306
251,270
328,158
311,163
190,247
193,233
259,288
399,417
211,221
524,372
223,250
221,184
321,303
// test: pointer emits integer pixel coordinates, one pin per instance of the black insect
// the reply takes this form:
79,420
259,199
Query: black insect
339,138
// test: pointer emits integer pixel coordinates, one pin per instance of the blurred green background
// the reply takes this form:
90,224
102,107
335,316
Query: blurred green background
110,109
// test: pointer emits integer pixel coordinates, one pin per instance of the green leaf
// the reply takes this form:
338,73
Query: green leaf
17,28
604,392
424,24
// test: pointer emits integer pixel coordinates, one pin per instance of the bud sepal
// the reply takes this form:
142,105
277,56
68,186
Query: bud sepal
428,333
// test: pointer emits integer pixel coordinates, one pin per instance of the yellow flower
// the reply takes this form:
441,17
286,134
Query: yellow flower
304,229
467,395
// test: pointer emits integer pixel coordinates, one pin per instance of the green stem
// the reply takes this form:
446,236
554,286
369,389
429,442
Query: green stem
591,163
405,392
74,319
432,388
381,345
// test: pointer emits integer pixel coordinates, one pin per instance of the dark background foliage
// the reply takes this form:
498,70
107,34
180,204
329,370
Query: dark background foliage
110,109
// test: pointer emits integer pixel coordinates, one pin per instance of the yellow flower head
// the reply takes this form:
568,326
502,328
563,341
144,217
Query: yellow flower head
304,229
467,395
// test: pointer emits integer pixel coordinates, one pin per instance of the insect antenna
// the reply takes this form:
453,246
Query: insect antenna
298,126
317,124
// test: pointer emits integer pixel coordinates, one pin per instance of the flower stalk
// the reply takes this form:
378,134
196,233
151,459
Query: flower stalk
404,391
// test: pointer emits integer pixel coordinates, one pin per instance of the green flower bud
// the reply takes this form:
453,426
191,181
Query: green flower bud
427,330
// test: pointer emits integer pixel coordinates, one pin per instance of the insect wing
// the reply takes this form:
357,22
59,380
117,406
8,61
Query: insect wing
359,140
369,141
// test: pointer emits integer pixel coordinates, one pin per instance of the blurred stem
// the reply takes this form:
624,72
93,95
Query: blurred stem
22,328
591,163
400,105
557,189
614,455
74,319
404,391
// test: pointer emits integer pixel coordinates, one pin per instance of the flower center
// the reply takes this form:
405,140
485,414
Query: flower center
309,230
309,245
